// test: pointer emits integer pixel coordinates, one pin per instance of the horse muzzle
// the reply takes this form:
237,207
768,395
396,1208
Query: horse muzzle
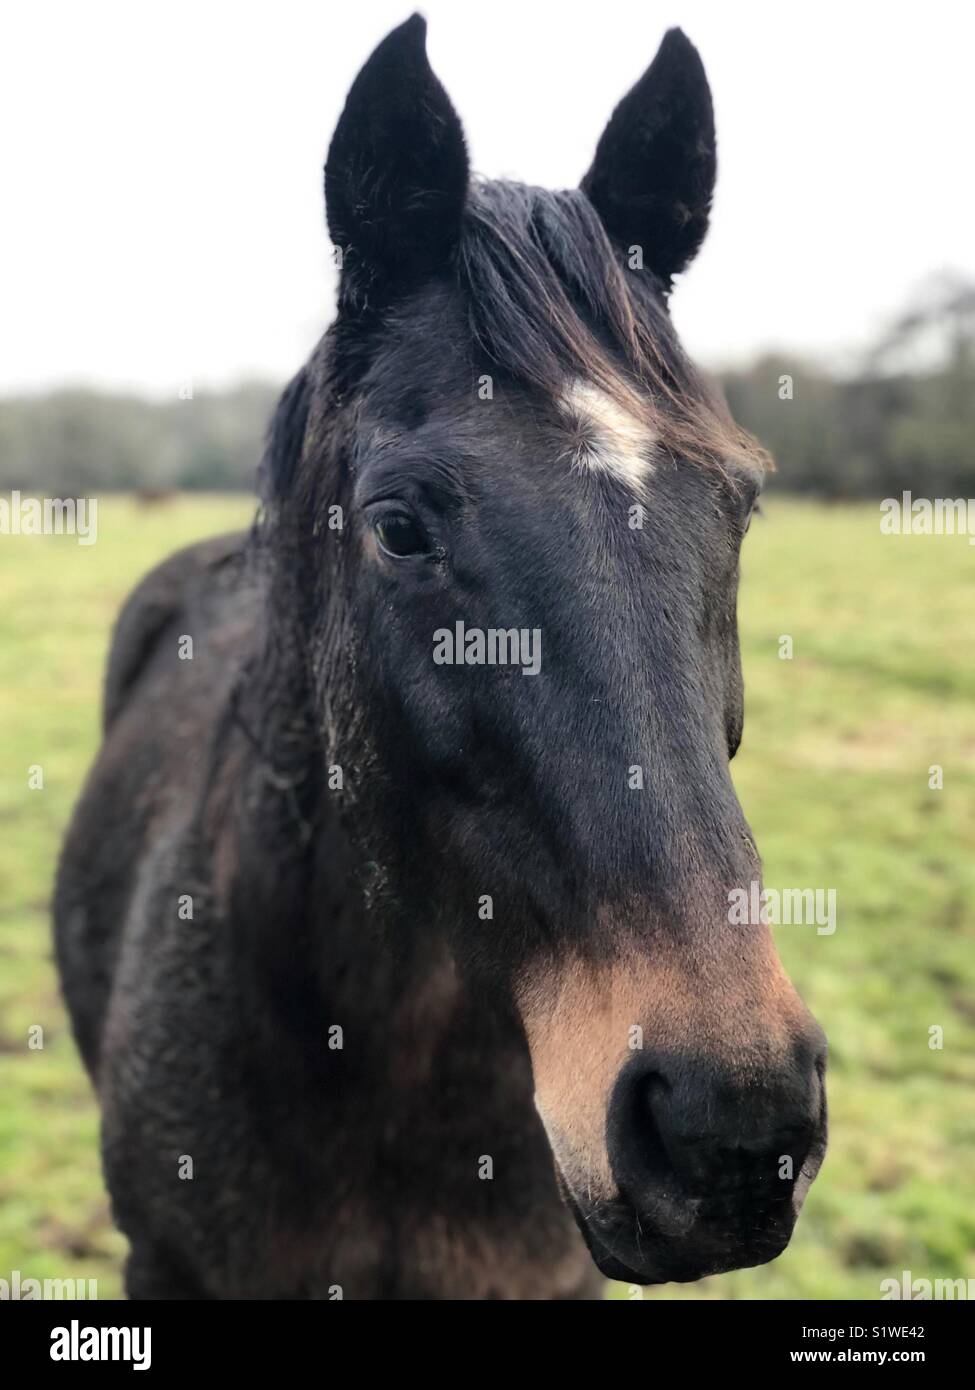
709,1176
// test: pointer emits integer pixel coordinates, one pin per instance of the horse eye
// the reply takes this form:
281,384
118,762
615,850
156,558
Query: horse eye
399,536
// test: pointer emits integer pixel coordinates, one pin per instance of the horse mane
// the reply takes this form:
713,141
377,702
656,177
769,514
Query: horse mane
549,298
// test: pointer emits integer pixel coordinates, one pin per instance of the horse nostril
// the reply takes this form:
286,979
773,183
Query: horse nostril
638,1149
686,1134
653,1089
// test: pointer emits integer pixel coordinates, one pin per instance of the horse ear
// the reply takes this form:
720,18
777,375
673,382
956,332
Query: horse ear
397,174
653,175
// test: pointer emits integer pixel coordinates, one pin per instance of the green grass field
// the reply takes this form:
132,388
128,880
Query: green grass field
833,775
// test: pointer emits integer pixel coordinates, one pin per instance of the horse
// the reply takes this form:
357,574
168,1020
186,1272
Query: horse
402,966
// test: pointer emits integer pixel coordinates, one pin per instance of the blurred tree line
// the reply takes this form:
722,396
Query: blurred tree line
902,418
74,443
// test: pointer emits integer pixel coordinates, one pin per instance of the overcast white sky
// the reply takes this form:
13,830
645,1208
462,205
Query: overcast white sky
161,165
